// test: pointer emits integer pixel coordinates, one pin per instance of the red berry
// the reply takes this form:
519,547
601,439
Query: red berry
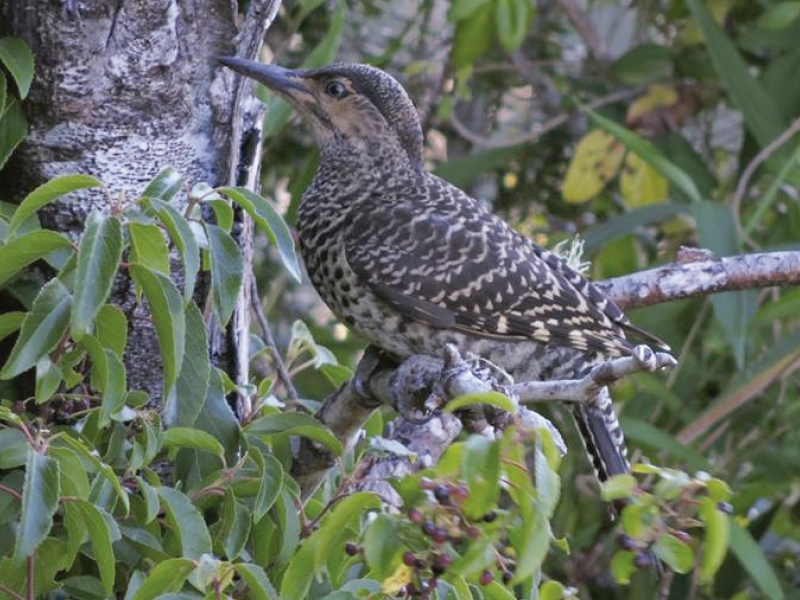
473,531
486,577
351,549
415,515
409,559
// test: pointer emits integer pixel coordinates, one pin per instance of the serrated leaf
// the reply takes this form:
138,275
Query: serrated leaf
166,576
18,253
673,552
99,253
259,586
333,529
18,59
111,328
114,389
166,306
227,271
41,330
164,185
187,522
48,378
381,549
268,220
39,502
186,437
13,129
47,192
182,236
480,464
103,530
295,424
184,403
13,449
10,322
148,247
597,160
270,483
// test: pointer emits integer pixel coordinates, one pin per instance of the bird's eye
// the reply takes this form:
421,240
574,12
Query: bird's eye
336,89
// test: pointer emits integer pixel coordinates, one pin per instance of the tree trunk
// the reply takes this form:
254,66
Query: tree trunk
122,89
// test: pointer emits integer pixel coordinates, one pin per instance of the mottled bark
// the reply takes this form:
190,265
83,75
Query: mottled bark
122,89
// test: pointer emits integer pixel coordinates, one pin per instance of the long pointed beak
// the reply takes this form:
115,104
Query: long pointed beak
283,81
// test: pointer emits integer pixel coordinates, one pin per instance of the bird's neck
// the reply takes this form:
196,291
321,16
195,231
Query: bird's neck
368,158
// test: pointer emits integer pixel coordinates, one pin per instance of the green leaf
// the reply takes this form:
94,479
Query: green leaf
187,522
114,388
42,329
13,449
186,437
223,213
19,252
258,584
103,530
676,554
74,479
99,254
492,398
186,399
270,483
111,328
752,559
652,437
238,530
650,154
227,272
181,235
512,22
381,549
39,502
619,486
48,378
148,247
644,63
13,129
460,9
47,192
167,309
622,567
18,59
548,484
295,424
760,113
551,590
779,16
10,322
164,185
473,36
480,464
167,576
715,544
629,221
268,220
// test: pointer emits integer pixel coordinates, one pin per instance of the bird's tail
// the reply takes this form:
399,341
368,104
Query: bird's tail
602,435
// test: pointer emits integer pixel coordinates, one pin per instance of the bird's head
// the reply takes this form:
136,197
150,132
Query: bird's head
356,105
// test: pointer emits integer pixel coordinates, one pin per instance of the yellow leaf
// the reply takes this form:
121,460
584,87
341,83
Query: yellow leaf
657,96
597,159
640,184
397,580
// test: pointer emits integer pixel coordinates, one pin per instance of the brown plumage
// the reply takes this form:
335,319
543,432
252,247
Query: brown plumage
411,262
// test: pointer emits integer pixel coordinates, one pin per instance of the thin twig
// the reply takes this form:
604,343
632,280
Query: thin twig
539,129
766,152
10,491
10,592
584,28
266,332
32,577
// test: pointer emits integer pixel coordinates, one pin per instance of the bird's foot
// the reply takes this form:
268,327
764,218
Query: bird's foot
649,360
415,388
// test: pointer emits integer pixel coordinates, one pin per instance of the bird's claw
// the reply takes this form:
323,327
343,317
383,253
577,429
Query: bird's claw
414,387
649,360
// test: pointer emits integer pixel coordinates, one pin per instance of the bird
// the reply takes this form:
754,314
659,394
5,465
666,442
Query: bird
413,263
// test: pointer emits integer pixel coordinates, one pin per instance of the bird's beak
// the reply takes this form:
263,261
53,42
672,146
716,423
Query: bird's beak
284,81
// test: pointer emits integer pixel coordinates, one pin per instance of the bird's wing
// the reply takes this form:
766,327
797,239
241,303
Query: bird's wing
451,263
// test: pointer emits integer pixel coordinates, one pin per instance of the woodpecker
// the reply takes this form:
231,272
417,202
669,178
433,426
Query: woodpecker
411,262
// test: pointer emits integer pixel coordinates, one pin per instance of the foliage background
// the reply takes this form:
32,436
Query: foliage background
705,90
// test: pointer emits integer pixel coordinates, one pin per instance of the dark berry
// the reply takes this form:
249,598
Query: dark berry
507,577
440,563
409,559
351,549
428,527
642,560
626,542
725,507
486,577
419,564
415,515
440,535
442,493
490,517
410,590
683,537
473,531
